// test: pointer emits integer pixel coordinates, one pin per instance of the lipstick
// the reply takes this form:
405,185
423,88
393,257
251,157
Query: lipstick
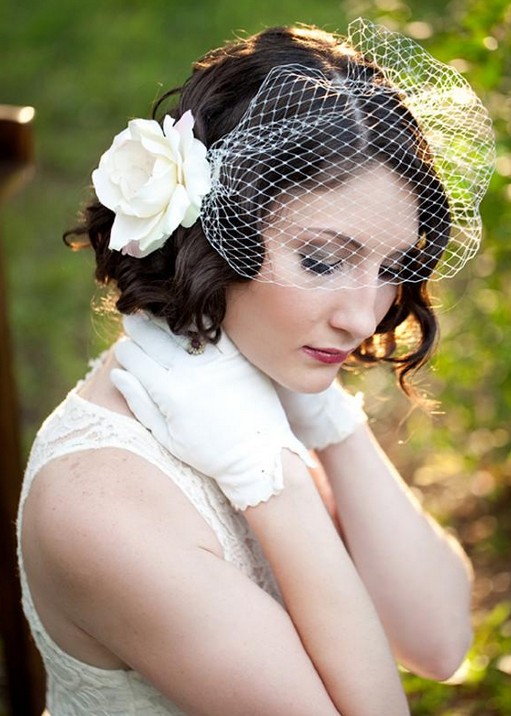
326,355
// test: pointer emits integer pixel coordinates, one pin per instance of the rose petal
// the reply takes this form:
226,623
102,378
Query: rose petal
168,123
132,249
191,215
197,174
154,196
118,141
140,128
159,146
184,127
150,135
133,169
174,145
156,238
132,155
131,228
176,209
153,241
108,194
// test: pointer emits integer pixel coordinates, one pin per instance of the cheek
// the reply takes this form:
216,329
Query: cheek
250,315
259,306
268,322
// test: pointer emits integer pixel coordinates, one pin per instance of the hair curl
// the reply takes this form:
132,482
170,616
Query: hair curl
184,282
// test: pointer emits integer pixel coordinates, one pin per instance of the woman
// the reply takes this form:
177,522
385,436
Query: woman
286,217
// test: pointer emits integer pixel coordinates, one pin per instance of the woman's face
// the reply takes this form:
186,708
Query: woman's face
337,241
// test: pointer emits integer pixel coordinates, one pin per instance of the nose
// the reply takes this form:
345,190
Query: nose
357,312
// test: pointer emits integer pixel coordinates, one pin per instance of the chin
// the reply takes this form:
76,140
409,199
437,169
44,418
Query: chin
308,384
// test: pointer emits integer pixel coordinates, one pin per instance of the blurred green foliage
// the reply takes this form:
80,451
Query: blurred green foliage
88,67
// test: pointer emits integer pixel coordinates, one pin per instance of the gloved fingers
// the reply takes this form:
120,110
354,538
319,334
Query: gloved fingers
150,374
156,339
153,338
296,446
226,346
301,404
140,404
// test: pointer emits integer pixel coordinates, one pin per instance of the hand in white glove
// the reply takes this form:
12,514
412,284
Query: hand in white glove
322,419
214,411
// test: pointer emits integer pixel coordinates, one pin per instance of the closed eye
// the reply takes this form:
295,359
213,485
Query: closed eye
317,266
391,271
408,266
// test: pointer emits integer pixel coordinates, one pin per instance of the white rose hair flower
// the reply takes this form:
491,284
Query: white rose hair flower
154,179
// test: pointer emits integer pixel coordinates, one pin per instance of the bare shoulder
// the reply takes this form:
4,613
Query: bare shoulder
87,515
79,500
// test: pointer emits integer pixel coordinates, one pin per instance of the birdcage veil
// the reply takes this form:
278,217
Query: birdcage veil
311,146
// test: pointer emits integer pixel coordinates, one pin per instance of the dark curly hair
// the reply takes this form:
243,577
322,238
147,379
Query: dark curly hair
184,282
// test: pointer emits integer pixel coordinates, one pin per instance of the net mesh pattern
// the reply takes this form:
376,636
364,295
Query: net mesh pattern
373,174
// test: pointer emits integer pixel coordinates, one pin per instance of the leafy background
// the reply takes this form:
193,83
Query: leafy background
87,68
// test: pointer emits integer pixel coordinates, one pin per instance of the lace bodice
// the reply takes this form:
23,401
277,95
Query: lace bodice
73,687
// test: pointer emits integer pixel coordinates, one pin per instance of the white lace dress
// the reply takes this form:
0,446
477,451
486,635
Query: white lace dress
75,688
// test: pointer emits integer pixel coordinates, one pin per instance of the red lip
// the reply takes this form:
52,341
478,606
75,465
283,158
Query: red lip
326,355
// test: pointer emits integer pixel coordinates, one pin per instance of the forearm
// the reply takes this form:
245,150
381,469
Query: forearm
326,599
418,578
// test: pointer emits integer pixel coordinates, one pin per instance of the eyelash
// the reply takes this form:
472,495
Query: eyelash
393,271
320,268
400,270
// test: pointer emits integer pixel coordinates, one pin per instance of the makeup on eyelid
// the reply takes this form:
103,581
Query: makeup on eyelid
324,257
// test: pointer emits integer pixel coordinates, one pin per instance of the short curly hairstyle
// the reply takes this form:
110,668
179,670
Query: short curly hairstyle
185,281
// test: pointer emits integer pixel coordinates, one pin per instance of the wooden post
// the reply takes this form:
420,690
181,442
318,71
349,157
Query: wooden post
23,669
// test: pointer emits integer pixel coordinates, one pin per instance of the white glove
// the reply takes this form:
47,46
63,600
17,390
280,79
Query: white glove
214,411
322,419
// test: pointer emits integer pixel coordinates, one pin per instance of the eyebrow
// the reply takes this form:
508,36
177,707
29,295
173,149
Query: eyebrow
350,241
346,240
